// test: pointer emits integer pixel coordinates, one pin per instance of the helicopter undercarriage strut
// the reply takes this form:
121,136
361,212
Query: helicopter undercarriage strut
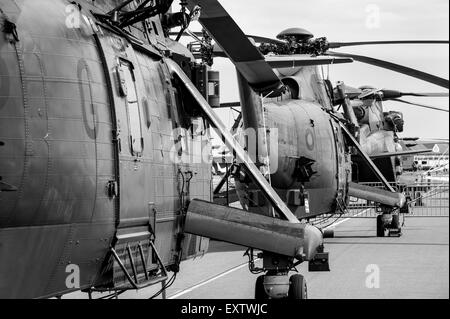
281,240
390,202
390,205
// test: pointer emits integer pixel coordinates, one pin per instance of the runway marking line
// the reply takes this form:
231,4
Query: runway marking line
203,283
347,219
225,273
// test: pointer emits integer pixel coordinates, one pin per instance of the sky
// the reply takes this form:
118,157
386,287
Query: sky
358,20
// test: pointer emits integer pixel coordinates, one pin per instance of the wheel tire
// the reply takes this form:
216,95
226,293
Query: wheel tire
260,293
297,287
395,224
380,226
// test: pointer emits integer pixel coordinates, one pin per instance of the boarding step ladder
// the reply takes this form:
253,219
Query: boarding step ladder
137,262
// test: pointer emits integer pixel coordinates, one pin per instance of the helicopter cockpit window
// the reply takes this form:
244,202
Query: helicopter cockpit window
134,118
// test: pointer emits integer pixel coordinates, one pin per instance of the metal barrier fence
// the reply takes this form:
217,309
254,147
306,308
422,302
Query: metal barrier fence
426,199
429,199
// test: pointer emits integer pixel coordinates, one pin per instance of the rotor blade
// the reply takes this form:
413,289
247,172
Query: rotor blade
292,61
394,94
396,68
436,139
244,55
420,105
426,94
421,142
335,45
403,153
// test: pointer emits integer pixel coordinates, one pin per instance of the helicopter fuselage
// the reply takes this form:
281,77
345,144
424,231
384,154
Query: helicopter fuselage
306,150
87,121
305,136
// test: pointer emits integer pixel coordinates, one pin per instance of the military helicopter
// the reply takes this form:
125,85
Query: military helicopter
99,108
321,155
105,153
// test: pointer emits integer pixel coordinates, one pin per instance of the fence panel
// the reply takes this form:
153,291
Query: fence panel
426,199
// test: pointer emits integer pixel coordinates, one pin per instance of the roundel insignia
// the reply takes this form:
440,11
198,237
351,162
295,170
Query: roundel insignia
310,139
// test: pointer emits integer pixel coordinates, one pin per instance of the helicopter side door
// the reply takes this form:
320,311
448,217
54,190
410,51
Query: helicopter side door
121,63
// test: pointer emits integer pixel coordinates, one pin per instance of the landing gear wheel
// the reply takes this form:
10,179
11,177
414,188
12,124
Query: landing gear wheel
260,293
395,224
395,230
297,287
380,226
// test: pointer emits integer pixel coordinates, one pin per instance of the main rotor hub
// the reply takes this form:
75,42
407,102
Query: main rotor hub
299,34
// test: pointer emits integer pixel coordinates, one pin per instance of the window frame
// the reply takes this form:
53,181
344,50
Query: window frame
127,66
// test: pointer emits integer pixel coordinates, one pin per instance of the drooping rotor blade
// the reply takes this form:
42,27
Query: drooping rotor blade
435,140
394,94
403,153
395,67
425,94
421,105
293,61
244,55
335,45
